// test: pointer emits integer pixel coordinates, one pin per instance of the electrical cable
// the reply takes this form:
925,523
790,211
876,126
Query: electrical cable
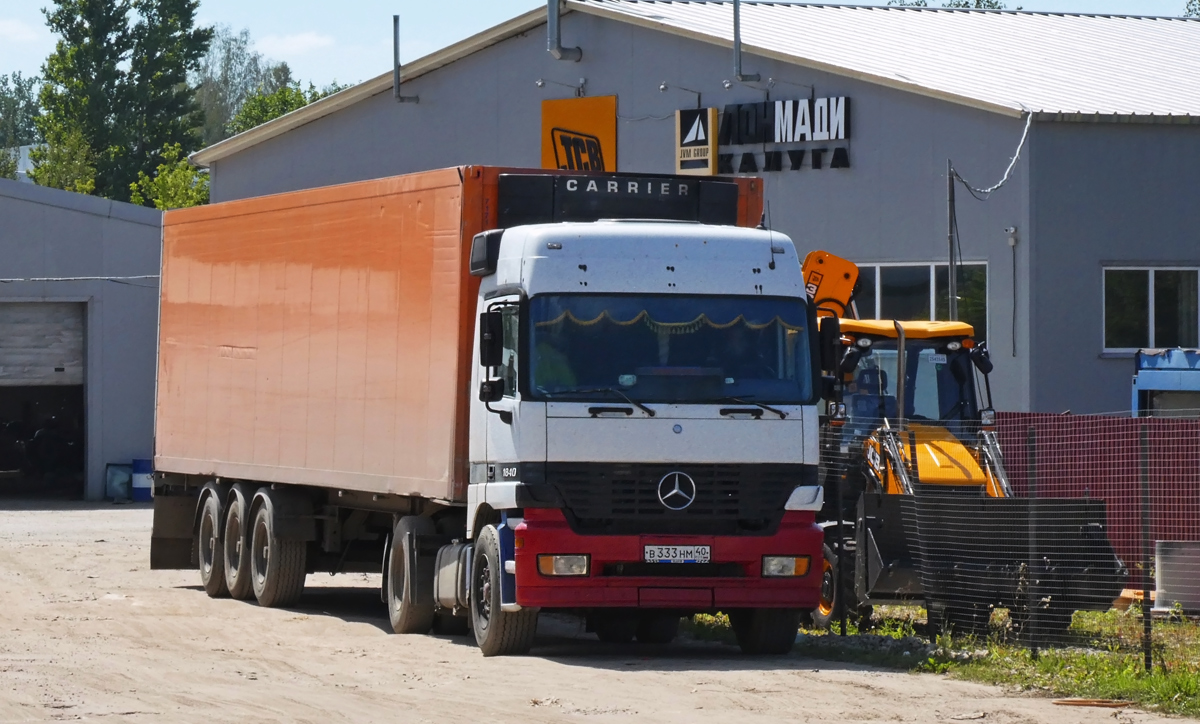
645,118
977,193
118,280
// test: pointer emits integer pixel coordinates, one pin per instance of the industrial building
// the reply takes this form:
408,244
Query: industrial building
1086,250
78,327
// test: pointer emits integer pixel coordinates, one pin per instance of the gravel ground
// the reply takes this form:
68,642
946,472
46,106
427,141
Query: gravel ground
91,634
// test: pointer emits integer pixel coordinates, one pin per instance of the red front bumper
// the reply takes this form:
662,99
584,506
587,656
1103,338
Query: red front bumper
547,531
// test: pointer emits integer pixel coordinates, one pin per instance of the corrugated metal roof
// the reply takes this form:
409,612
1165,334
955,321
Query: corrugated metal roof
1003,60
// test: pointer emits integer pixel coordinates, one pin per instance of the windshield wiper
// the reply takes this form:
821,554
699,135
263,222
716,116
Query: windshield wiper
612,390
744,401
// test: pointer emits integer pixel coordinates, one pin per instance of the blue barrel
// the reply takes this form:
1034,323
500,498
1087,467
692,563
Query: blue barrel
143,473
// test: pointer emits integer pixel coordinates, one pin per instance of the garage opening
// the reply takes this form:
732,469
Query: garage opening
42,399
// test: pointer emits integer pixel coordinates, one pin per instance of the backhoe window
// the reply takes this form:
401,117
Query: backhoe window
940,386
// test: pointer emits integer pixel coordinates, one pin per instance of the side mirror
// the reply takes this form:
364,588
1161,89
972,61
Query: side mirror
850,360
491,390
830,339
491,339
982,359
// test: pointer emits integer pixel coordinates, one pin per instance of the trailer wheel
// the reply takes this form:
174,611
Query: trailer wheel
658,628
236,546
497,632
408,616
765,630
277,566
208,547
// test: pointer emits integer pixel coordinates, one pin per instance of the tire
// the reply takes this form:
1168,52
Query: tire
406,615
208,547
827,612
658,628
615,627
235,546
770,631
277,566
497,632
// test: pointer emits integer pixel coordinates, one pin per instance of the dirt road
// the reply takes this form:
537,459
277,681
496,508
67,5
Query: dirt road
90,633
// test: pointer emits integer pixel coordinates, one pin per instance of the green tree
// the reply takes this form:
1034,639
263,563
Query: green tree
264,107
970,4
66,161
122,87
176,183
1193,9
230,73
9,159
18,109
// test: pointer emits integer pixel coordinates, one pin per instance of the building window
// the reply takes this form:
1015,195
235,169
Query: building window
922,292
1150,308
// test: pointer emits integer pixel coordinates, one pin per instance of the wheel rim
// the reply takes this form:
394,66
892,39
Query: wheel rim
233,542
208,539
483,585
825,605
262,551
396,578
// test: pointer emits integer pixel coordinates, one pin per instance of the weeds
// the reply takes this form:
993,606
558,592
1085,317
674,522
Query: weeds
1099,658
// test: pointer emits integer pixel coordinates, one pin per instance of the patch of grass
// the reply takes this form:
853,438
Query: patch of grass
1099,658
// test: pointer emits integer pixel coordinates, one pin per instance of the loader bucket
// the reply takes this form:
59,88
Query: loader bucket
960,550
1052,554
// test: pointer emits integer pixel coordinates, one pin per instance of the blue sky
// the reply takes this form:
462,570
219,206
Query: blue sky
351,40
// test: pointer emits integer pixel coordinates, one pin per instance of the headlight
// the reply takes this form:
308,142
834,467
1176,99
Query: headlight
954,346
783,566
551,565
864,342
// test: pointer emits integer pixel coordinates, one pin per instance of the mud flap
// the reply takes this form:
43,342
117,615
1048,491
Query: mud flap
172,538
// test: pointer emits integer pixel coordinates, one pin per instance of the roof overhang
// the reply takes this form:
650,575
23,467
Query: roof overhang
379,84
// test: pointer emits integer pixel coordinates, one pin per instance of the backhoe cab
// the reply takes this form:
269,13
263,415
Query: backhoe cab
915,481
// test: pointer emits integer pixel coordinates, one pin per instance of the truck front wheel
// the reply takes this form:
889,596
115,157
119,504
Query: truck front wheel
765,630
497,632
208,545
277,566
408,615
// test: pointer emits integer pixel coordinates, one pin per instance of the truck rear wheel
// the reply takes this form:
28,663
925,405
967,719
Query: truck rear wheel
765,630
236,546
497,632
208,548
408,616
277,566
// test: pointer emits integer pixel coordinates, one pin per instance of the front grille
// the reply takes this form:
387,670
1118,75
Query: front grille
622,498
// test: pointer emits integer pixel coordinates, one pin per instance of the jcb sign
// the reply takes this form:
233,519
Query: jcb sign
580,134
575,151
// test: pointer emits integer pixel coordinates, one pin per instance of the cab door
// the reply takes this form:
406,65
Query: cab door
503,424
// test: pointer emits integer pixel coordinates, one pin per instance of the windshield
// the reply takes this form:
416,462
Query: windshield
939,387
670,348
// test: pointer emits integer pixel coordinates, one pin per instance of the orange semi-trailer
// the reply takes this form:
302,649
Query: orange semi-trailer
519,390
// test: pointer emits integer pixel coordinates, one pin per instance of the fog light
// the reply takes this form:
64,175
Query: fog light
780,566
549,565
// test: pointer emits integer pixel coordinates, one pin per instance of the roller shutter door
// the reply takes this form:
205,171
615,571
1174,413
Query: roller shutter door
41,343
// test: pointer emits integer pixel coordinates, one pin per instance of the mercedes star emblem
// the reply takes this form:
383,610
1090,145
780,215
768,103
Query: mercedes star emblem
676,491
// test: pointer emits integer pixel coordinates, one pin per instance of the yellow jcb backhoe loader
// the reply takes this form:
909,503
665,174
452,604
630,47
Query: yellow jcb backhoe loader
915,481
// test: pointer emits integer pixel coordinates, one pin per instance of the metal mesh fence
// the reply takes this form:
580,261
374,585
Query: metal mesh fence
1048,533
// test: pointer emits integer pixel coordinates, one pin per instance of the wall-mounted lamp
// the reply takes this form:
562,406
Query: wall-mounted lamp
663,88
580,90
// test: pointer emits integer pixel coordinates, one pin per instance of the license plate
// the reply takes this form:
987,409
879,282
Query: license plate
678,554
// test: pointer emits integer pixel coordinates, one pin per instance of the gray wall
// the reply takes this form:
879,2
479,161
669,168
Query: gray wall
888,207
1104,194
50,233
